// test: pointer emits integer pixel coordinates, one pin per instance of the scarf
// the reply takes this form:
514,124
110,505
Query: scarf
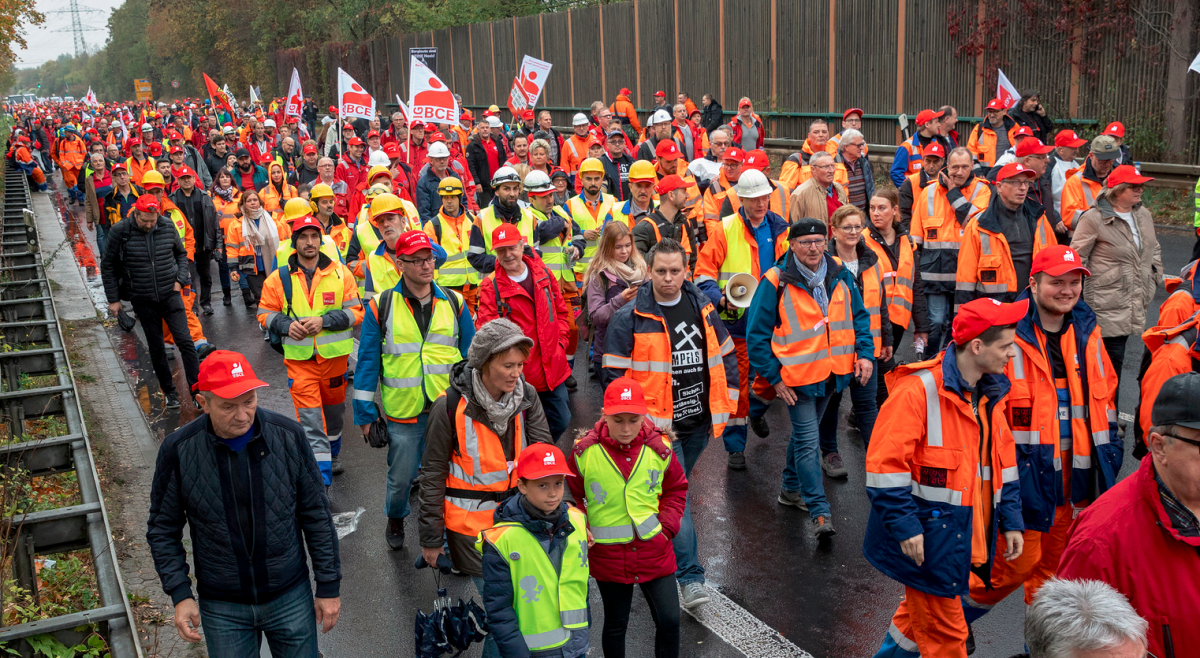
816,282
628,274
264,237
510,215
226,193
499,412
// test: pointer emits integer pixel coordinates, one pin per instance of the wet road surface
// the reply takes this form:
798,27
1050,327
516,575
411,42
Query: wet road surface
828,601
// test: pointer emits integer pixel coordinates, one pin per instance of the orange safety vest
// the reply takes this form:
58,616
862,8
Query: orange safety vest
982,142
897,283
479,475
137,170
1078,196
985,263
808,344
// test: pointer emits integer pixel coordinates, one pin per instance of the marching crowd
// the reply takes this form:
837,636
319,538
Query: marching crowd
476,261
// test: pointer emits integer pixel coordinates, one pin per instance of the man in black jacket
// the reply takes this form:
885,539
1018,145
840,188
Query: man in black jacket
197,206
246,483
486,154
711,117
146,262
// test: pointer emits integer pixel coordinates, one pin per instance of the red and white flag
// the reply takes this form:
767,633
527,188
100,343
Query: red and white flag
1005,90
403,110
430,99
295,97
527,86
353,100
90,98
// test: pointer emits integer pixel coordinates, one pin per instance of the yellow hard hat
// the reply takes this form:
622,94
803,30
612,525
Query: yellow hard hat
450,186
296,207
377,189
642,170
321,191
378,171
384,204
591,164
153,178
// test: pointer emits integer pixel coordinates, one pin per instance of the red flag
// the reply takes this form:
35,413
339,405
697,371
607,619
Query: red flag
218,96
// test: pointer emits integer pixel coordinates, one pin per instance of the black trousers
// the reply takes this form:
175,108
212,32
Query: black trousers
1115,346
152,315
256,281
663,598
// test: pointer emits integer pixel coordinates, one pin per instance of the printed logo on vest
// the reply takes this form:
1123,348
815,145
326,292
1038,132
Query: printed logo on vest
933,477
327,298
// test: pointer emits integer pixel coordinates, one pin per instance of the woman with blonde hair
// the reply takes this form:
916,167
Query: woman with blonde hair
611,280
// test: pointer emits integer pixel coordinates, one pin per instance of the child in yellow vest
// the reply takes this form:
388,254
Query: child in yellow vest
535,564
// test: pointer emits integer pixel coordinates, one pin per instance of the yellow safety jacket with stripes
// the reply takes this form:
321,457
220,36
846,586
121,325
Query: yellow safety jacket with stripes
578,207
620,509
415,369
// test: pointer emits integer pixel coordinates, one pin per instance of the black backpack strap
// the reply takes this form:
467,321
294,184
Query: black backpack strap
452,398
383,302
437,228
502,306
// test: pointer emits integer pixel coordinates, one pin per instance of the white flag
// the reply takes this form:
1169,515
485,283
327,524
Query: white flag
403,109
1195,64
353,101
1005,90
431,99
253,96
295,97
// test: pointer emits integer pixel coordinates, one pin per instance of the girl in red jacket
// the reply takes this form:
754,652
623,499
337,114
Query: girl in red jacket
634,491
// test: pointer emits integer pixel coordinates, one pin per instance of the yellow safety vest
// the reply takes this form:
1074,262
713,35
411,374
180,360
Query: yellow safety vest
554,252
457,270
327,296
328,247
620,509
737,259
583,217
379,273
620,212
415,369
526,225
548,603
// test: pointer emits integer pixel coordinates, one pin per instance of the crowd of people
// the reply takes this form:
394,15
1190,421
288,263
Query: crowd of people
700,284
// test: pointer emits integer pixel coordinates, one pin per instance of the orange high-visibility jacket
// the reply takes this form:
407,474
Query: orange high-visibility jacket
1175,351
985,266
1078,196
478,470
898,282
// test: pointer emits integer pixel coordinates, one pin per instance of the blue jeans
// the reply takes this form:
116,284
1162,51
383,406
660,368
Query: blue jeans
687,450
864,405
490,650
235,630
101,239
802,471
941,310
406,444
558,413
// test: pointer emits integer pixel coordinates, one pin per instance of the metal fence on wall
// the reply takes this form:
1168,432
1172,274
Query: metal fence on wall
795,60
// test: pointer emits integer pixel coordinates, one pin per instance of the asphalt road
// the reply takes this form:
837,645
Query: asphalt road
828,601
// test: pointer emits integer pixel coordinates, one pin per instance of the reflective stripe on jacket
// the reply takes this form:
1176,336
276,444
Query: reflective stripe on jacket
936,228
479,477
897,283
985,265
332,291
1078,196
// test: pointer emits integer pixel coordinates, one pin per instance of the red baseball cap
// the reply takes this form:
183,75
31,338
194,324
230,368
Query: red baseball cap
310,148
735,154
372,133
625,91
505,235
1032,146
437,137
1014,169
184,171
147,203
410,242
227,375
935,149
1022,131
660,93
391,150
1116,129
176,149
541,460
757,159
925,116
976,317
175,135
853,110
1056,260
996,104
134,141
307,221
666,149
624,396
1125,174
668,183
354,141
118,166
526,115
332,109
1068,138
745,102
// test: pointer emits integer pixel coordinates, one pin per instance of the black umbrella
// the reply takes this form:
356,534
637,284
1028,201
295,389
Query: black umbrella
449,628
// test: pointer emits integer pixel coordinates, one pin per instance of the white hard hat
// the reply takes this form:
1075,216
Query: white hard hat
537,181
147,128
505,174
378,159
270,123
753,184
580,119
438,150
494,122
659,116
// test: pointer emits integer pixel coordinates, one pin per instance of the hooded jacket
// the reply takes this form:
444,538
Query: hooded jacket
440,441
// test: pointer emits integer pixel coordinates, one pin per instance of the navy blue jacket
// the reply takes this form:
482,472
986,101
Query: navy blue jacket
193,486
708,286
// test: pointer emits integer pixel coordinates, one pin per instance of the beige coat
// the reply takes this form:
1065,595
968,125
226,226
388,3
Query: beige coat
809,201
1124,277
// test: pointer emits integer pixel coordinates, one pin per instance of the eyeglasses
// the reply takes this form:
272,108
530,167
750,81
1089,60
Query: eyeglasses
858,144
1194,442
1017,183
419,261
1137,188
811,244
828,167
851,229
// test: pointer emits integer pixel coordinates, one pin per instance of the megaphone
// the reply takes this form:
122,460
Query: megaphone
740,289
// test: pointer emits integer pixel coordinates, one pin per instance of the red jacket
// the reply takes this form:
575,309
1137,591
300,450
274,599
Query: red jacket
544,319
354,174
638,561
1125,539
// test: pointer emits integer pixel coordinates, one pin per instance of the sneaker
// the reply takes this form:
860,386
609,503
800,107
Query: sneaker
737,461
395,534
969,645
172,400
822,528
207,308
833,467
226,299
694,594
335,465
792,498
759,425
572,385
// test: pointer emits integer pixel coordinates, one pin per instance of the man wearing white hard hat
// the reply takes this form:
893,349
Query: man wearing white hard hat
747,241
658,128
574,150
428,200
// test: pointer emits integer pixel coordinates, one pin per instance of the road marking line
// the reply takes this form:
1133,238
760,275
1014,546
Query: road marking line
742,630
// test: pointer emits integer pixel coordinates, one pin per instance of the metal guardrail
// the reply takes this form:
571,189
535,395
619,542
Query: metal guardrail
28,320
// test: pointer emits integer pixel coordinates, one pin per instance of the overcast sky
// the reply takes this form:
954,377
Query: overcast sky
46,43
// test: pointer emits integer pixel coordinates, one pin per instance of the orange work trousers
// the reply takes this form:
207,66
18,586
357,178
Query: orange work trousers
194,327
318,388
928,625
70,177
470,295
1037,563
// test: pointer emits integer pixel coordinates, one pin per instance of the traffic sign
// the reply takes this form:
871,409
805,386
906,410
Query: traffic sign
175,84
143,89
